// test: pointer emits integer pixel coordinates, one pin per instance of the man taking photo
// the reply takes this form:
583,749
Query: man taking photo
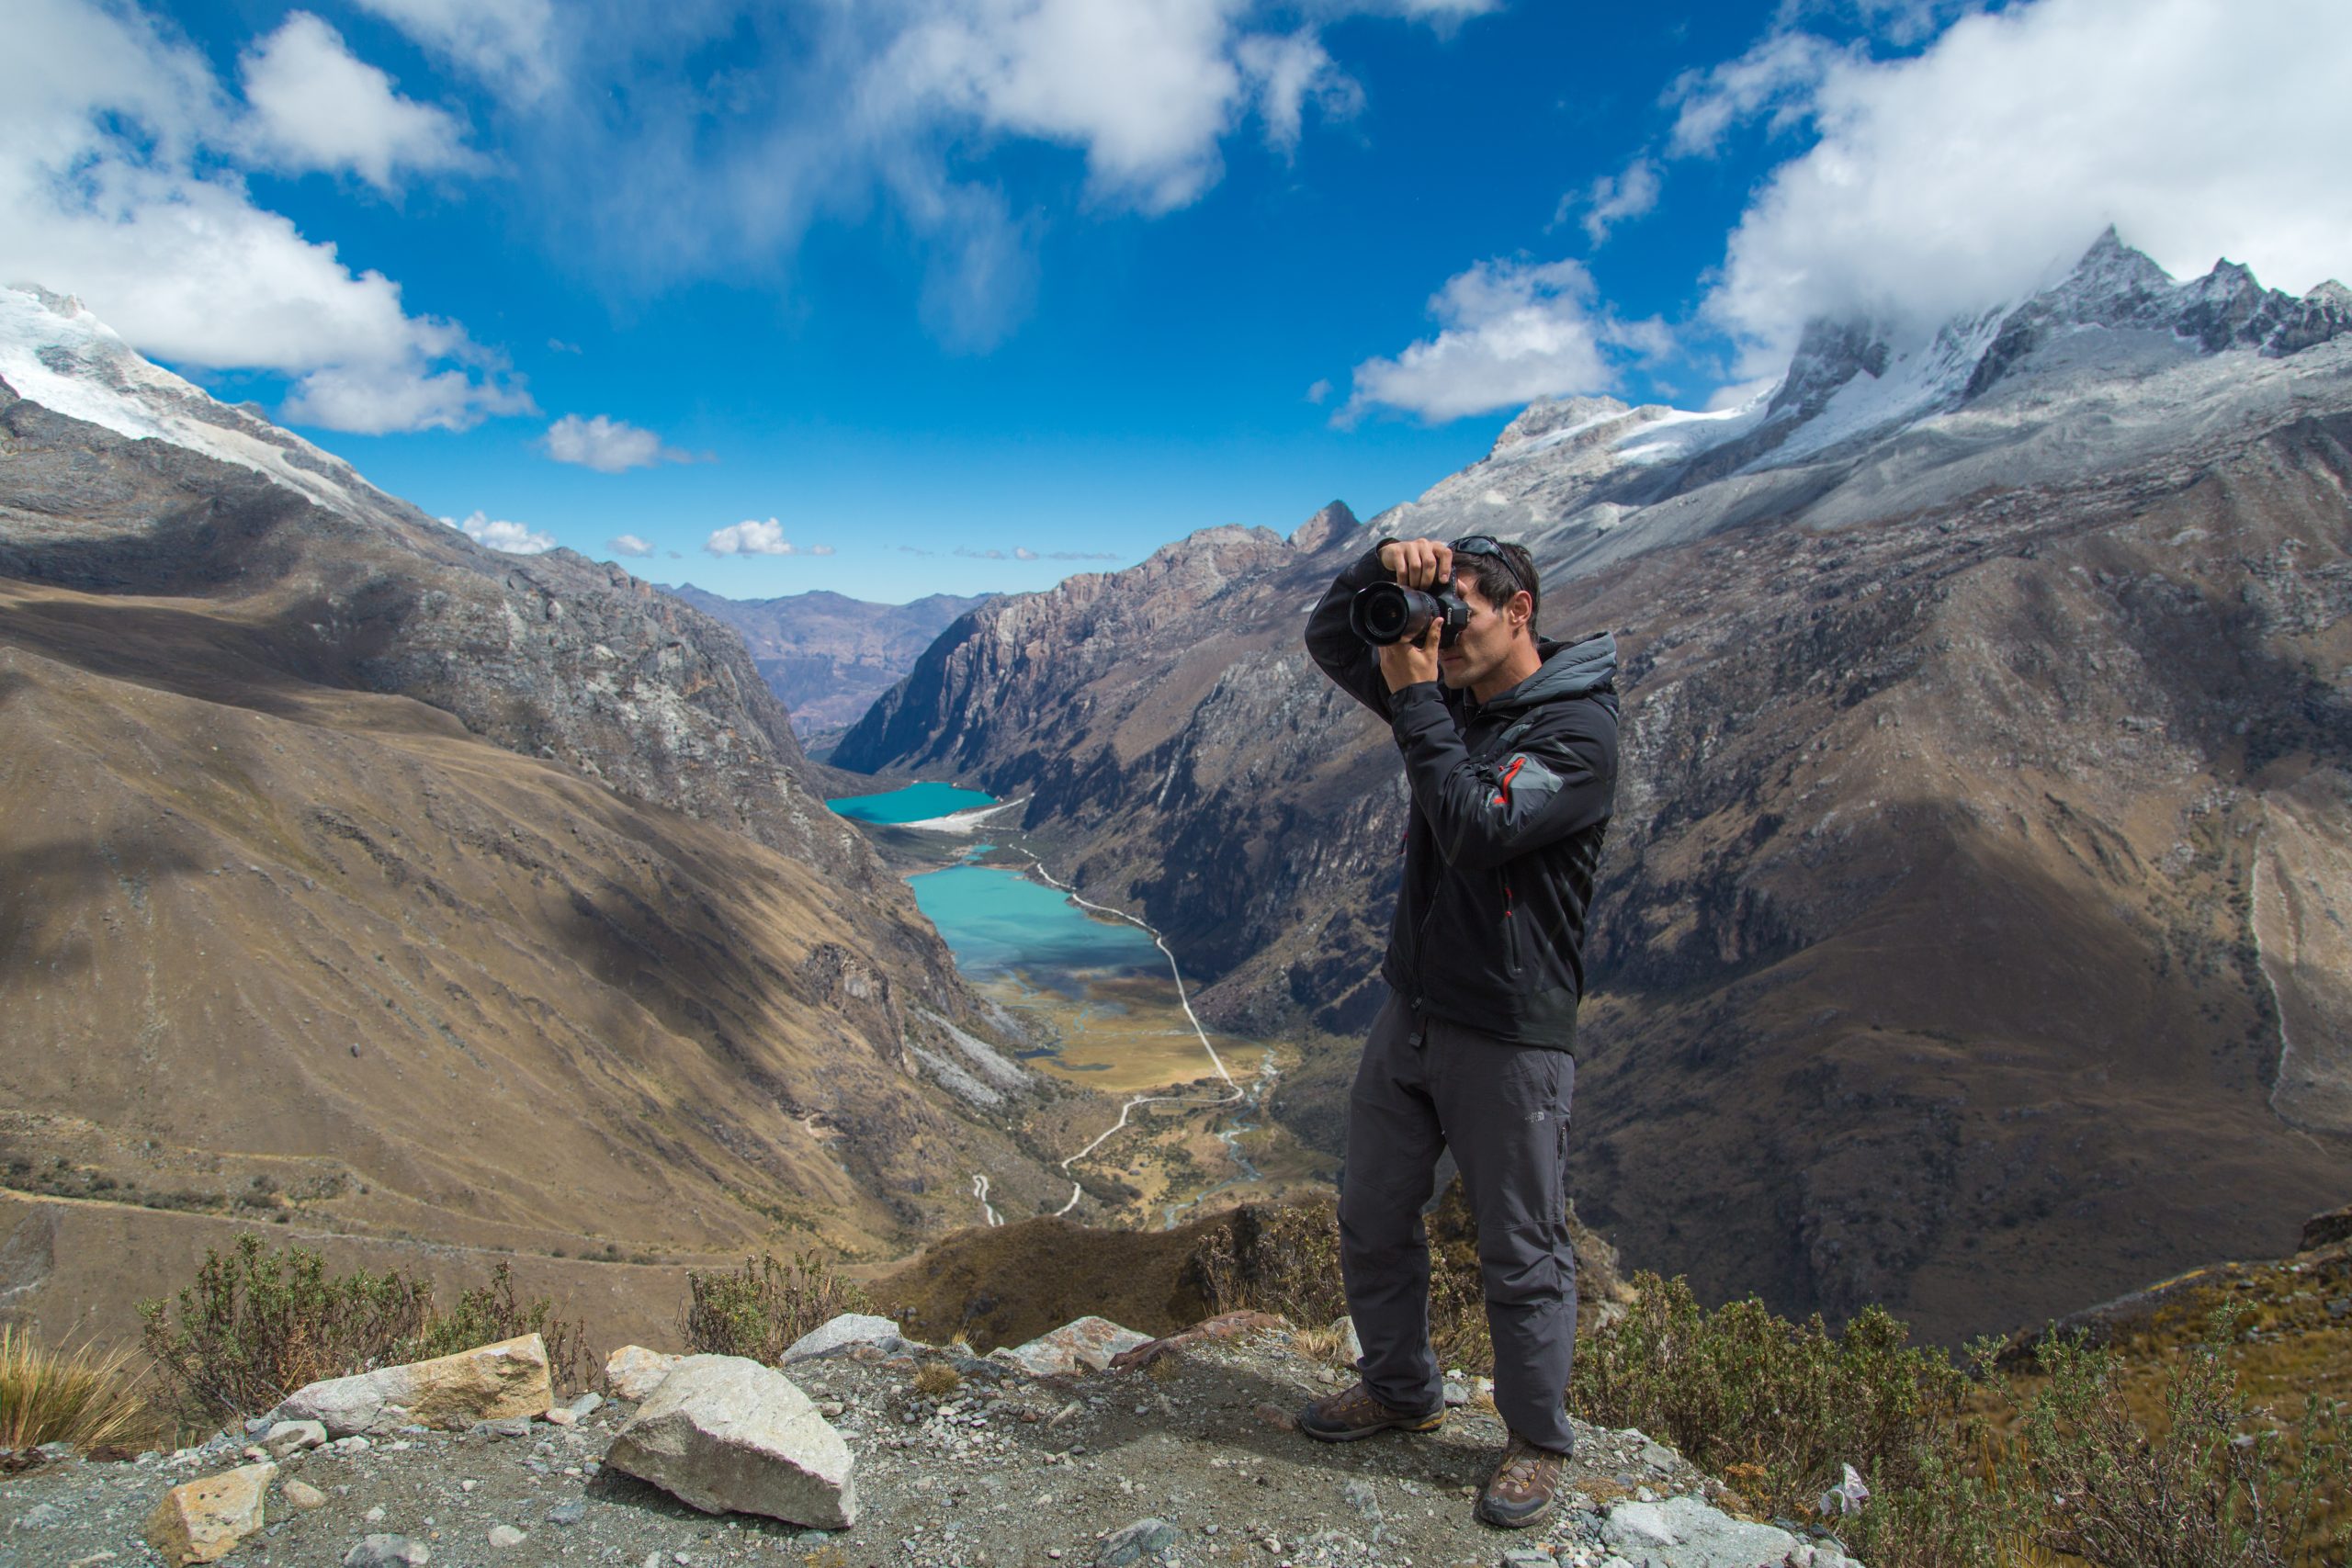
1509,746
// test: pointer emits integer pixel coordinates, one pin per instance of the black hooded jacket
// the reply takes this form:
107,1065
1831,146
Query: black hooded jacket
1511,799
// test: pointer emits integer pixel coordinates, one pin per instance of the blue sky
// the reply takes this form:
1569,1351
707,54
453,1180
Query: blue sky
966,295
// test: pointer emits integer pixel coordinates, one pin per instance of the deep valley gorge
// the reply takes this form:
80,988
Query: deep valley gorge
1969,939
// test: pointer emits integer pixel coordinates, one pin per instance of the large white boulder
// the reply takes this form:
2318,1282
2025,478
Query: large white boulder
729,1436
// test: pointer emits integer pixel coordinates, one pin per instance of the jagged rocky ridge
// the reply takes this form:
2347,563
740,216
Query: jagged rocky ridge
359,876
826,656
1969,939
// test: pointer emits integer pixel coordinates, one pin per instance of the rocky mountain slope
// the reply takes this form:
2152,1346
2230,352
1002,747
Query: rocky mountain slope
958,1461
359,878
1971,936
826,656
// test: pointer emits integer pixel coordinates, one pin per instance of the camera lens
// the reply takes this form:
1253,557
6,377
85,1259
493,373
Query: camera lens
1384,612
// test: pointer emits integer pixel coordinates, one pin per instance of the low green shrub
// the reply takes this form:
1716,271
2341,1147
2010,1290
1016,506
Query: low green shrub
759,1309
1783,1407
2213,1487
257,1324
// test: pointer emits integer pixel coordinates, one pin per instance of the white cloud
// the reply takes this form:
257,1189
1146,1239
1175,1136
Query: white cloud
627,544
507,43
1147,88
1023,552
1973,171
820,549
315,107
1320,392
607,446
668,166
749,538
112,187
1511,332
1778,75
1613,198
514,538
1285,73
375,400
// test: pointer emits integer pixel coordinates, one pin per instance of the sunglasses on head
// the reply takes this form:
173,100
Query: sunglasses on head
1487,545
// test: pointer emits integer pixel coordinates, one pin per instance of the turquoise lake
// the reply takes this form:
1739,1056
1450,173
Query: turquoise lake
916,803
998,921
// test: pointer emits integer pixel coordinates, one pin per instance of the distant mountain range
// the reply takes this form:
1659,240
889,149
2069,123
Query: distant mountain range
359,878
1975,933
826,656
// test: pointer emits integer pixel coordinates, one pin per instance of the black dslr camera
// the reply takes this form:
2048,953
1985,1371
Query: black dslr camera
1390,612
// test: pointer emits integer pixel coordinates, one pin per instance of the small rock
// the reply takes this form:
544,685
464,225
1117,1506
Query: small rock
39,1516
1139,1542
1657,1456
1457,1395
587,1404
374,1515
293,1437
559,1416
1696,1532
504,1536
635,1372
1274,1416
568,1512
202,1521
1089,1344
1361,1497
1351,1346
303,1495
1528,1557
352,1445
388,1551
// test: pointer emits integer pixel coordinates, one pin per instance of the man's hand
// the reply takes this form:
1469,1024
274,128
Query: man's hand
1404,664
1417,563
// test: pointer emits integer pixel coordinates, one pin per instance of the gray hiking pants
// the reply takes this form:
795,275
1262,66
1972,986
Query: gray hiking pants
1427,1085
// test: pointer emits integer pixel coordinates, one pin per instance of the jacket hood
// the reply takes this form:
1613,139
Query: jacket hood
1570,670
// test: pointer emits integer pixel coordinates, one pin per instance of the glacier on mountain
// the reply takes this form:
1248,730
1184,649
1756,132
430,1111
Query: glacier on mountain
55,353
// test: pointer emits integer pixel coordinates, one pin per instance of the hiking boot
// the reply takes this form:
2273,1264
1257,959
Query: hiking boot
1524,1487
1344,1417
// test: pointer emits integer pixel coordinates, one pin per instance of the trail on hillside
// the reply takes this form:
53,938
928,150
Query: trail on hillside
1235,1095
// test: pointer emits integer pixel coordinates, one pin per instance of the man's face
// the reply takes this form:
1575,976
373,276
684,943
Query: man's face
1486,642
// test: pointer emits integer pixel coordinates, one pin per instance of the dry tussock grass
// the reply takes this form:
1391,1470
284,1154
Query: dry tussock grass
87,1397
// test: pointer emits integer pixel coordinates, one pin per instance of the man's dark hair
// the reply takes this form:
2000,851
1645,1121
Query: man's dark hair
1496,581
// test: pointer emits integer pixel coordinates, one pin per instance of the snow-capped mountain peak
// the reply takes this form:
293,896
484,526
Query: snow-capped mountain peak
55,353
